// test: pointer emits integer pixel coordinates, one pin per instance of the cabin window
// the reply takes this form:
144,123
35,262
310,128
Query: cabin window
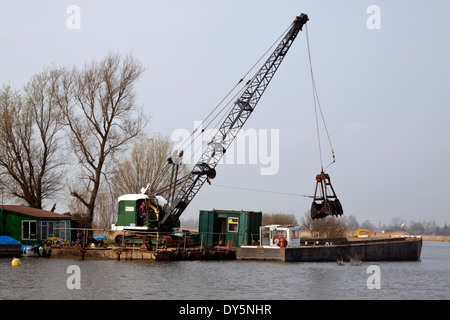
279,233
43,230
233,224
29,230
64,232
46,229
265,236
49,229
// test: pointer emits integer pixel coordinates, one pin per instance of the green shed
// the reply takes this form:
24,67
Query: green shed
218,227
32,226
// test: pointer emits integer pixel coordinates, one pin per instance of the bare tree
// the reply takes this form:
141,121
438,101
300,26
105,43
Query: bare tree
105,205
98,103
350,222
29,134
279,218
328,227
396,224
146,164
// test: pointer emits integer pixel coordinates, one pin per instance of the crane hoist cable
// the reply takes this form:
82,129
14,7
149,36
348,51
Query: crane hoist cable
187,143
182,146
317,108
227,108
204,170
325,201
262,191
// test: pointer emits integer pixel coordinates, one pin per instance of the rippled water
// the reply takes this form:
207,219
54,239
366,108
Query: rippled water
41,278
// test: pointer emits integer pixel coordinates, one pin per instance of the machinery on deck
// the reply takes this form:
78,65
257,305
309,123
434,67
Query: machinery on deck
162,214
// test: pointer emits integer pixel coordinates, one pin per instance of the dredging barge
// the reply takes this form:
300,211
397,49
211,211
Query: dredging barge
278,243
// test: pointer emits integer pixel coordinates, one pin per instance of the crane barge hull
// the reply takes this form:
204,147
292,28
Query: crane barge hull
338,250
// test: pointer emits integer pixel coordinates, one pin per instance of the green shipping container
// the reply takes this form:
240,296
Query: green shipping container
218,227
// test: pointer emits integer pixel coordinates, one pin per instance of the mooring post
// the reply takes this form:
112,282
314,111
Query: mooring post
157,240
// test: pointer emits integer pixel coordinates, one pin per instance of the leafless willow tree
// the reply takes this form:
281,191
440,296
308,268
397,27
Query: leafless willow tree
145,164
98,104
30,161
328,227
279,218
105,206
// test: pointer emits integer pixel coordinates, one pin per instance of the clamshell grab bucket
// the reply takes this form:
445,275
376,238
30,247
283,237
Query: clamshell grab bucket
325,201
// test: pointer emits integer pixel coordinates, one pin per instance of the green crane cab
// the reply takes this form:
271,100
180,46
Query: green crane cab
139,212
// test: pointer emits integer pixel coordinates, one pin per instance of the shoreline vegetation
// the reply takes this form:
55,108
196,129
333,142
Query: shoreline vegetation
348,226
353,234
306,234
436,238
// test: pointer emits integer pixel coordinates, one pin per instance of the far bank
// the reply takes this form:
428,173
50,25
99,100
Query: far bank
436,238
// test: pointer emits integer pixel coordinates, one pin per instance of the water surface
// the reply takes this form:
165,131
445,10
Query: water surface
41,278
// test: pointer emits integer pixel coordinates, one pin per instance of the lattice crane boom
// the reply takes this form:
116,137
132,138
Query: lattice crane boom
243,107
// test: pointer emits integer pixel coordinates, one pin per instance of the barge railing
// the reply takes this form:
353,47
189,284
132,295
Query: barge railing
235,238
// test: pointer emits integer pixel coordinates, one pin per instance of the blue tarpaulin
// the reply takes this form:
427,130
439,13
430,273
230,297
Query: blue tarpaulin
8,240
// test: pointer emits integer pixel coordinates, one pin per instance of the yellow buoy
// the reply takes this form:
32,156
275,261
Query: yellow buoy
16,262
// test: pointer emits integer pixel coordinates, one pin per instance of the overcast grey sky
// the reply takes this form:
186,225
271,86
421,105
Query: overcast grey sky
385,92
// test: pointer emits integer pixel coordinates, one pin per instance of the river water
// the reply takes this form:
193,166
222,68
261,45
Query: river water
41,278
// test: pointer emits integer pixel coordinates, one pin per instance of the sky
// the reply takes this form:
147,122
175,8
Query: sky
381,68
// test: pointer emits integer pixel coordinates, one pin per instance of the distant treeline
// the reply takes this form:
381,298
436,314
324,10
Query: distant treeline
412,227
333,224
397,224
